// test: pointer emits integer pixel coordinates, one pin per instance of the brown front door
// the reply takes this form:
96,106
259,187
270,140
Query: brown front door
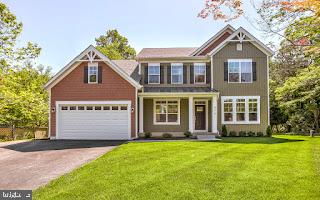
200,114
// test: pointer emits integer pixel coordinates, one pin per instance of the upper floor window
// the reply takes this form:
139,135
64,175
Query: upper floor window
240,70
154,73
199,72
176,73
240,110
93,73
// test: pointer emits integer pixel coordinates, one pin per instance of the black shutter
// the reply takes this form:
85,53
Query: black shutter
145,74
185,74
161,74
208,73
85,74
225,71
99,74
254,71
191,74
169,74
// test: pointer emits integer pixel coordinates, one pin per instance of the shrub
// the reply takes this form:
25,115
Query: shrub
232,133
167,135
224,131
242,133
187,134
269,131
251,134
259,134
147,135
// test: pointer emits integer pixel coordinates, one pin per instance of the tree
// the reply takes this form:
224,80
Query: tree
115,46
300,96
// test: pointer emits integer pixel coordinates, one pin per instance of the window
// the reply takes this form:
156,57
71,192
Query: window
106,107
166,112
73,108
97,108
64,108
154,73
240,70
199,72
93,73
114,107
89,108
240,110
80,107
176,73
123,108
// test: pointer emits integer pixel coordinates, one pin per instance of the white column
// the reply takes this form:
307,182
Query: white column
141,115
214,115
191,114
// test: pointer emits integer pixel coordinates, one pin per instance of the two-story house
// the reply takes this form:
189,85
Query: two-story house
165,90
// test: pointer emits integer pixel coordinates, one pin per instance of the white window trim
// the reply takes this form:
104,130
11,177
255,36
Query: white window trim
165,123
234,98
91,65
205,73
154,65
177,65
240,60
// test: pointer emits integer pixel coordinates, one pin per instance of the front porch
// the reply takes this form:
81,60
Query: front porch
177,113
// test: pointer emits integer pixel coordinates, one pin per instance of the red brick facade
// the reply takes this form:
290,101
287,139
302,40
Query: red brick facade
73,88
215,44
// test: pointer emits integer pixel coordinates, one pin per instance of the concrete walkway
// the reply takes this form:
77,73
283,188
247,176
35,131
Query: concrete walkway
30,164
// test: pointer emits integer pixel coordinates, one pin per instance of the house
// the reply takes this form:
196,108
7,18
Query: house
173,90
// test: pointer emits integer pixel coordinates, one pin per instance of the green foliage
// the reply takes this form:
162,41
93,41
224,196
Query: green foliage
233,133
269,131
167,135
147,135
251,134
224,131
259,134
115,46
242,134
187,134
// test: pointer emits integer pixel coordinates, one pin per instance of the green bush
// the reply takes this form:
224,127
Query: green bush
233,133
251,134
259,134
147,135
269,131
187,134
224,131
167,135
242,134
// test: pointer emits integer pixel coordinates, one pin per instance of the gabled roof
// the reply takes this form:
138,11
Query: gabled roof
165,52
227,28
243,35
90,54
128,66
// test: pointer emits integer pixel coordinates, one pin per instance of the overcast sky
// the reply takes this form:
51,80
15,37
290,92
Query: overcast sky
63,28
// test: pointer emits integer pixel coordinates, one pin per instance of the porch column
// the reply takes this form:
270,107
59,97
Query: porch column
214,115
141,115
191,114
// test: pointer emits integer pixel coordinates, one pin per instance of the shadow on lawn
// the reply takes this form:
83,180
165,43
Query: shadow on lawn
256,140
45,145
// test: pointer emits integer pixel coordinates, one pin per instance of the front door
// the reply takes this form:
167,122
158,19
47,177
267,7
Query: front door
200,115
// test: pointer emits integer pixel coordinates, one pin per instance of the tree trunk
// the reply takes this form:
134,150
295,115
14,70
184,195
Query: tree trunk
316,120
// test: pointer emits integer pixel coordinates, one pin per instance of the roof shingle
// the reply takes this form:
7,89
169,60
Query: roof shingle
166,52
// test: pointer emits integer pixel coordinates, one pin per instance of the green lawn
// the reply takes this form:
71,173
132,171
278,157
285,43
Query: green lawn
283,167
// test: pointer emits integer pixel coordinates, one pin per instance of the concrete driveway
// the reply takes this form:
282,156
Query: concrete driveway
30,164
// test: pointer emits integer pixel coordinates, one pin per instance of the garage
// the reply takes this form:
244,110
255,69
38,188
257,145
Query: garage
93,120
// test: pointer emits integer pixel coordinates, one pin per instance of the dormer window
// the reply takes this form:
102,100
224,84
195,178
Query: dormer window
176,73
154,73
93,73
199,73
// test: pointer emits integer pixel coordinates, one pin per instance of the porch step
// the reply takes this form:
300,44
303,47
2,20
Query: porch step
206,137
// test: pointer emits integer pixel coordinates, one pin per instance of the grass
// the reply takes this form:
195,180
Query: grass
283,167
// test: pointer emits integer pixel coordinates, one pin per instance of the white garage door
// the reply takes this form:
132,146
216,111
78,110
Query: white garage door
94,122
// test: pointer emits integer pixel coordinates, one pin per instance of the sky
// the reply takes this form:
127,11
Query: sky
64,28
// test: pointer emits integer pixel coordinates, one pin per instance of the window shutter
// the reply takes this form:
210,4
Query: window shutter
99,74
85,74
146,74
169,74
225,71
254,71
185,74
191,74
161,74
208,73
